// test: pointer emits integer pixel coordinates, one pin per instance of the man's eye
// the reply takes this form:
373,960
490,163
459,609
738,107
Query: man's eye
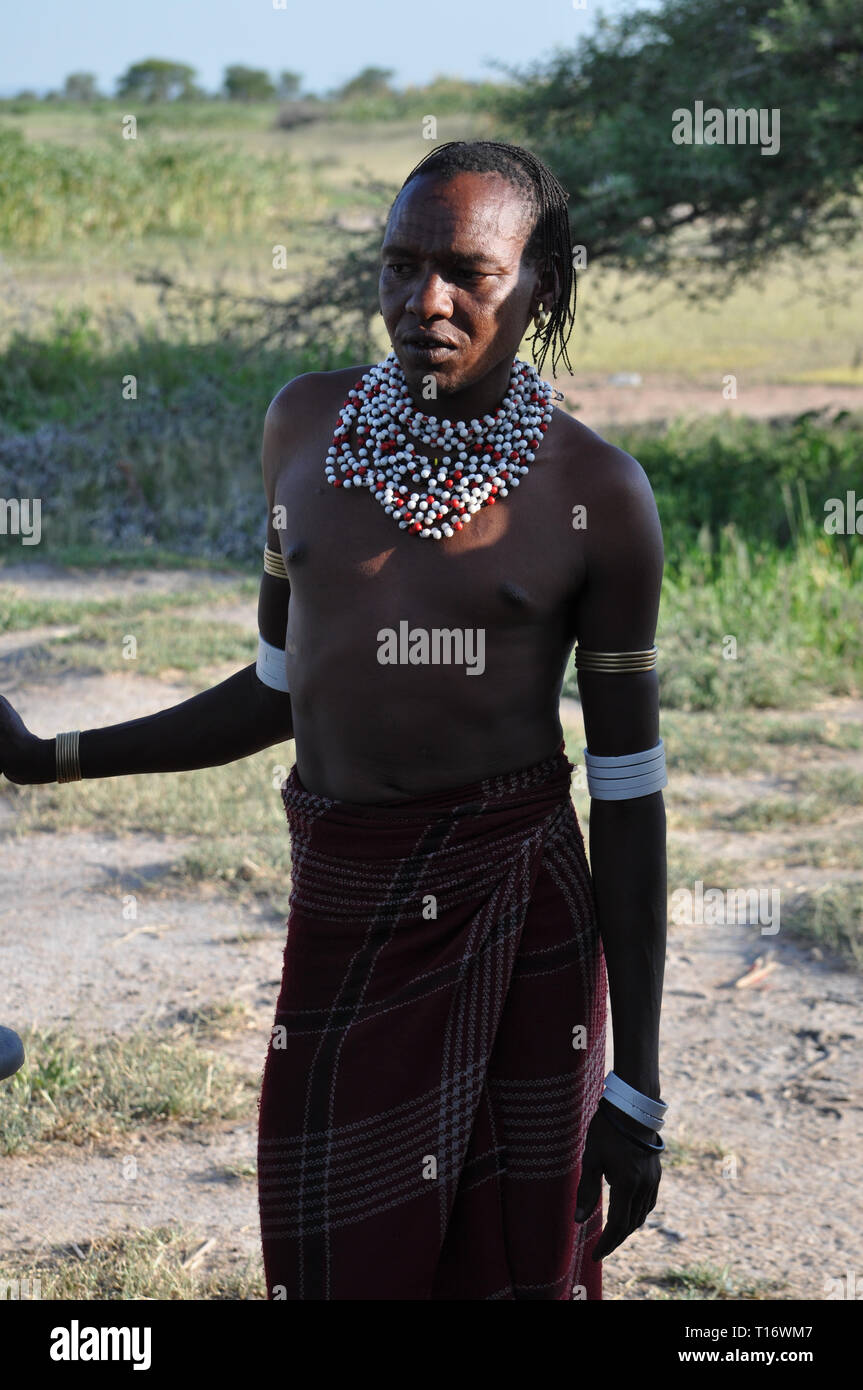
397,267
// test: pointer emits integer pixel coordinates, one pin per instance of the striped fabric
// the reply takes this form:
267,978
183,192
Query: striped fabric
438,1048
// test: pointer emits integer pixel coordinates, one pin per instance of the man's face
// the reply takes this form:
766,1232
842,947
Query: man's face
452,269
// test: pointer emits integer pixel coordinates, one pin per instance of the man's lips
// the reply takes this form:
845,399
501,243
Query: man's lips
426,341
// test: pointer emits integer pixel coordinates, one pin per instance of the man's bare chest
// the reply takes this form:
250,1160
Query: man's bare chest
518,561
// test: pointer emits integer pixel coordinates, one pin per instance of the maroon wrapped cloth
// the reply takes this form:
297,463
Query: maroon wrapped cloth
438,1048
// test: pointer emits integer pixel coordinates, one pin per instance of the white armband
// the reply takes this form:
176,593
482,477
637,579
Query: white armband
270,666
631,775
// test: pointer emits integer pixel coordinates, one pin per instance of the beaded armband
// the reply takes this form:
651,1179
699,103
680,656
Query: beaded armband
274,564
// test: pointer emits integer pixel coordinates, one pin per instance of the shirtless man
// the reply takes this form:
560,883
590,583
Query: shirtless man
460,282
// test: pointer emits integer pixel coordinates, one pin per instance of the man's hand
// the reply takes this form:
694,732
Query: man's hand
632,1174
24,758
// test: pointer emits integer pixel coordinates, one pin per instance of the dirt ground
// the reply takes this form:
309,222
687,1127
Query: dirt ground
601,401
763,1082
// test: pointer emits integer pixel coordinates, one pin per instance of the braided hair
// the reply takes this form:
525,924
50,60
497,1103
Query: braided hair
550,241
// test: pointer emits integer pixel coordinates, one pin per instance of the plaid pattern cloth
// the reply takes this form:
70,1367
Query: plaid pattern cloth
438,1048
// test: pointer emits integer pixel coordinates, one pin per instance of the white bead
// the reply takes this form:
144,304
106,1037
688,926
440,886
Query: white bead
512,429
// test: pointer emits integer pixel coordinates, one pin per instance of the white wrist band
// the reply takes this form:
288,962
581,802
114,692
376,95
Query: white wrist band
270,666
628,776
634,1103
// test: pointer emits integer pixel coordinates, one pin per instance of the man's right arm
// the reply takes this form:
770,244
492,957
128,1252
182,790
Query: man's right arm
232,720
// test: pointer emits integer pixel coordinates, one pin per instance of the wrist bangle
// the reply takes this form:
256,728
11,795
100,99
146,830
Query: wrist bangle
636,1138
67,756
647,1111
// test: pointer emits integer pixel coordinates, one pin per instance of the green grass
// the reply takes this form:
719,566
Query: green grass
158,1263
829,916
795,613
78,1091
754,741
770,330
682,1153
221,182
240,1172
132,189
841,849
20,611
148,645
815,796
246,868
238,800
707,1281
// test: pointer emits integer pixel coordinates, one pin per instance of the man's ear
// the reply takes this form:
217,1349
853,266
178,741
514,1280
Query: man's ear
548,287
551,283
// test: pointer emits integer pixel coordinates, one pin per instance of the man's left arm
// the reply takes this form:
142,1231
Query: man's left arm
616,613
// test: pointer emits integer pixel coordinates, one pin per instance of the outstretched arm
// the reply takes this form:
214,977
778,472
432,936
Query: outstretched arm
231,720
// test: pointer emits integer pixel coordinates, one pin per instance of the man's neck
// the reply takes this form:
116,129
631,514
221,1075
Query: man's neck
482,397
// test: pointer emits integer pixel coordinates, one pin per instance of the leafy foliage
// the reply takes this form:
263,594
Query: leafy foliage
602,116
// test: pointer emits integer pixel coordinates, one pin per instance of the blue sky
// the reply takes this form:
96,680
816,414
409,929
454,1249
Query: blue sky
43,40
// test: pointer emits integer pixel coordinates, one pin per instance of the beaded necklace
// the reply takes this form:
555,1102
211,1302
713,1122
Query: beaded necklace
480,462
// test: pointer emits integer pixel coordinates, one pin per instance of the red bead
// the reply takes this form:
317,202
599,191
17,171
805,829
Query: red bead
491,501
494,490
458,526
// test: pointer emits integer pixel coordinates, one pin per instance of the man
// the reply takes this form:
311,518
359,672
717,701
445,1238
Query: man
431,1121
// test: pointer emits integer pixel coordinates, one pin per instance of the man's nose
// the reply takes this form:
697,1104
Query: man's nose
429,297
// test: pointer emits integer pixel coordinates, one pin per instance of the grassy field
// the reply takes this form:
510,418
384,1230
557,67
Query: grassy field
205,192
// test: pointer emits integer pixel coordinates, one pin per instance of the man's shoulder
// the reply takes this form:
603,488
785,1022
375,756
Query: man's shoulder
301,398
610,473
